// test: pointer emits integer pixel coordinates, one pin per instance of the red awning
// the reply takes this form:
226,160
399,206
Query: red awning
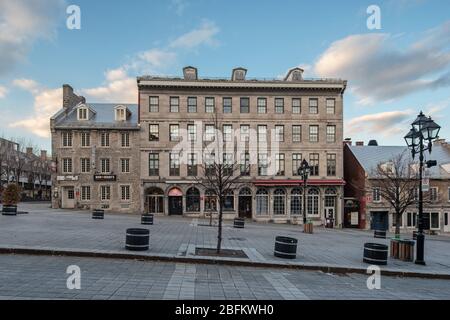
310,182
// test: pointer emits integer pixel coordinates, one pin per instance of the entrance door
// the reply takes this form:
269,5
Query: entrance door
380,220
446,223
329,214
68,198
175,205
245,206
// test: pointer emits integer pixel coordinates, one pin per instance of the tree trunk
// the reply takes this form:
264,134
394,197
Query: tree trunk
219,231
397,224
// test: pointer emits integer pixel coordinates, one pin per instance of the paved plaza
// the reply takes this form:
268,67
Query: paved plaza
178,237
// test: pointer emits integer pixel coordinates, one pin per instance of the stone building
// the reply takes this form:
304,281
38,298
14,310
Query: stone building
96,154
365,208
304,117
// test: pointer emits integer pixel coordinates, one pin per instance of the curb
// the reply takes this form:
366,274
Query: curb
206,260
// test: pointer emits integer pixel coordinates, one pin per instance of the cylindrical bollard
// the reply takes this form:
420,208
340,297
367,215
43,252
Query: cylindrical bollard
380,234
239,223
137,239
147,219
98,214
285,247
375,253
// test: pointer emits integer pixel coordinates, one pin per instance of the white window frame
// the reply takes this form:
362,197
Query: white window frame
125,139
66,139
85,138
104,139
330,107
105,192
85,194
376,191
67,163
105,163
125,189
82,114
125,162
85,165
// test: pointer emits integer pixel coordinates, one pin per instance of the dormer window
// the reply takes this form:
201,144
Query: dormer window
121,113
82,113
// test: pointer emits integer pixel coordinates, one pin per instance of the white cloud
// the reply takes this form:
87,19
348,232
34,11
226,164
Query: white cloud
46,103
22,22
3,92
197,37
378,71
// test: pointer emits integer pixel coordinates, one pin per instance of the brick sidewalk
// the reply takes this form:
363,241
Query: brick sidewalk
176,236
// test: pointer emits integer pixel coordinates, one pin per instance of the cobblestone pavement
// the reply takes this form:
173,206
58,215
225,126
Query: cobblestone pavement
64,229
45,277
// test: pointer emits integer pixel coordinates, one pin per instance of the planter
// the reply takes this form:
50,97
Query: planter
137,239
239,223
147,219
98,214
380,234
9,210
308,227
375,253
285,247
395,248
406,250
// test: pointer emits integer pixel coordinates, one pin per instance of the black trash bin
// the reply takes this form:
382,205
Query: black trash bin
9,210
239,223
98,214
285,247
147,219
137,239
380,234
375,253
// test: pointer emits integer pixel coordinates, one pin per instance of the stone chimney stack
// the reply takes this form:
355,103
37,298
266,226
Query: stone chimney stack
69,98
29,151
359,143
43,155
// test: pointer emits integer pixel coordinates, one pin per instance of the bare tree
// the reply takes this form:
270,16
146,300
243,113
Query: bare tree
397,181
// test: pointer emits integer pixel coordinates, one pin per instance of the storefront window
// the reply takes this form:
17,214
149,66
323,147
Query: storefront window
192,200
262,202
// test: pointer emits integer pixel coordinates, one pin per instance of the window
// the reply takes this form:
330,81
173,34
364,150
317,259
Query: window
331,106
448,194
228,164
105,165
192,132
245,105
66,139
105,193
262,133
209,105
174,132
121,114
262,164
125,194
279,202
192,104
279,133
67,165
262,105
153,104
331,134
296,133
174,164
314,133
227,105
313,106
312,202
296,106
433,217
245,133
85,139
153,130
376,195
153,164
433,194
174,104
82,113
192,164
411,219
85,165
279,105
209,132
262,202
331,164
104,139
296,201
245,164
279,164
85,193
192,200
314,164
125,139
210,201
296,163
125,165
228,203
209,164
227,132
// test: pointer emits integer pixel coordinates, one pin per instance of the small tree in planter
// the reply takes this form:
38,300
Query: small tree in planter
10,198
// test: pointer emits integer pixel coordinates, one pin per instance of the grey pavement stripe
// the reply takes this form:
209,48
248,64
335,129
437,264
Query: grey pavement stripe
190,250
182,283
284,287
253,254
182,249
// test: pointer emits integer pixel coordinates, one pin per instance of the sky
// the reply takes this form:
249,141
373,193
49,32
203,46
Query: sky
393,72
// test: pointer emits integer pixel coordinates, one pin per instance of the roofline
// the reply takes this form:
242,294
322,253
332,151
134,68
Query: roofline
94,127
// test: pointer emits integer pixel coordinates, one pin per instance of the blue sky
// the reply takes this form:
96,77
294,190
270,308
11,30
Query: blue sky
392,72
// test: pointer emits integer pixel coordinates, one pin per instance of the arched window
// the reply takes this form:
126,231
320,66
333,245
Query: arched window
262,202
154,200
192,200
228,201
245,192
330,198
296,201
313,201
279,202
210,201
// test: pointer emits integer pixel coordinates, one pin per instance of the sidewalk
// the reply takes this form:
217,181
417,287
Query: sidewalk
66,232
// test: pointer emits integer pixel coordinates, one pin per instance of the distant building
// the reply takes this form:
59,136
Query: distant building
364,207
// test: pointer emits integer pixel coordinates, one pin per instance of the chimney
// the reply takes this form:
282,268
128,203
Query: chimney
238,74
67,95
348,141
295,74
190,73
373,143
44,155
359,143
29,151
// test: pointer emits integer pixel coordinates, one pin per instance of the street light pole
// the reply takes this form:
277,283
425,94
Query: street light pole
420,235
303,171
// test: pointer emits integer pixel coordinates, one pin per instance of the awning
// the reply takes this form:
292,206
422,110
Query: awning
288,183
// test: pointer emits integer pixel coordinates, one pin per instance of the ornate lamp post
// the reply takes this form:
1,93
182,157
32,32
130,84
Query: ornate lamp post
419,139
304,172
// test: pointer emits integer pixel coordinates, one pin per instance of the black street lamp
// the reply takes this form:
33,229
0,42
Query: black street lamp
419,139
303,171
